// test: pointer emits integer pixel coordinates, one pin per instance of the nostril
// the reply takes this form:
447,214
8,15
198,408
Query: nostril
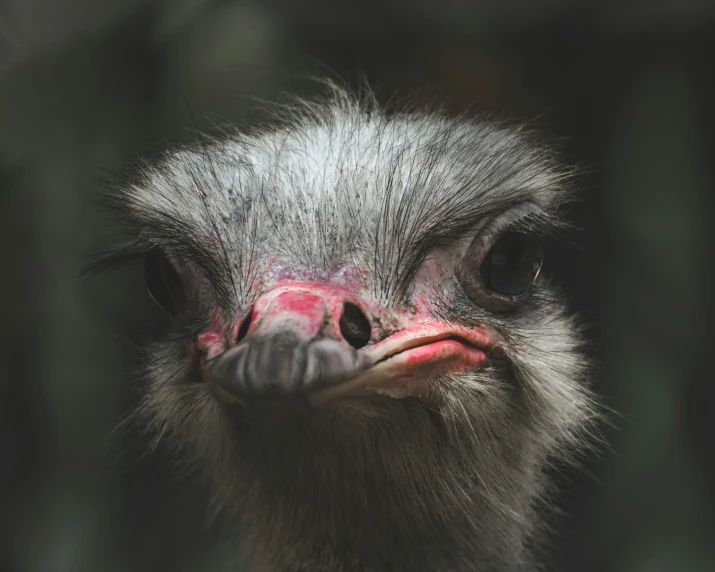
245,324
354,326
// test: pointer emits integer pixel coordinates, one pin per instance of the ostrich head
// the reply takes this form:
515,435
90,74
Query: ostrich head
364,359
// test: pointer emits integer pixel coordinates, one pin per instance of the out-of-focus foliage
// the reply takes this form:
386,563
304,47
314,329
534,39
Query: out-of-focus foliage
85,86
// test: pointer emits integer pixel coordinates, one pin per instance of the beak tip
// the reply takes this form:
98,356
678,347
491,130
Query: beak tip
276,367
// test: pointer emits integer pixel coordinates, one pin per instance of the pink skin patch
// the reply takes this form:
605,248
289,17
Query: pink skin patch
408,348
308,308
405,363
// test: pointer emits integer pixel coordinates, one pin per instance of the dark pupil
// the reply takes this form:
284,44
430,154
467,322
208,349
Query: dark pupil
512,264
163,282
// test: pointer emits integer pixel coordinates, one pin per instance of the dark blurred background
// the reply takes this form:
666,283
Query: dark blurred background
625,87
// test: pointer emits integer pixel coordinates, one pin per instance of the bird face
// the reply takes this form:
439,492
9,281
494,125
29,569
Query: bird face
331,338
310,338
359,324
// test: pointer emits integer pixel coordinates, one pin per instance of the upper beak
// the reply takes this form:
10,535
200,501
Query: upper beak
297,342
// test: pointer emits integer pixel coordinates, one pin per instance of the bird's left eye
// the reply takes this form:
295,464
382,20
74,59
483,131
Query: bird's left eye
503,261
512,264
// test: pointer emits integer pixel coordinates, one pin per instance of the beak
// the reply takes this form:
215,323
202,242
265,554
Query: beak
407,363
310,342
298,341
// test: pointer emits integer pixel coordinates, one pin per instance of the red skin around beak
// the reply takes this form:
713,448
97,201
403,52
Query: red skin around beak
404,364
408,348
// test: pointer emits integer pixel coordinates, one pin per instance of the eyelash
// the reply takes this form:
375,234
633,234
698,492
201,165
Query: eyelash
124,256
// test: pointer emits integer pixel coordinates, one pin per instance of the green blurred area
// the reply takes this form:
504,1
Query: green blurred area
627,89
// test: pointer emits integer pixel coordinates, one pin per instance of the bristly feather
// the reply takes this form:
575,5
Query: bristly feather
384,484
335,179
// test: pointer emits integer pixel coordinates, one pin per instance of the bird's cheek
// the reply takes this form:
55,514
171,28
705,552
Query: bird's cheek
210,344
433,283
425,363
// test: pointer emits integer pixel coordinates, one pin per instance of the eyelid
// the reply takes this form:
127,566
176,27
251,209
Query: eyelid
508,219
475,253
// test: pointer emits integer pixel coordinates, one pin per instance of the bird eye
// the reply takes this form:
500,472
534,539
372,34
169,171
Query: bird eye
512,264
503,261
163,282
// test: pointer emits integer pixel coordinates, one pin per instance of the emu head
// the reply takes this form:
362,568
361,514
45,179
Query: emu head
364,359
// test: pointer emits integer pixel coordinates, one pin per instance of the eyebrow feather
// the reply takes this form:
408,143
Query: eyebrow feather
179,238
338,181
